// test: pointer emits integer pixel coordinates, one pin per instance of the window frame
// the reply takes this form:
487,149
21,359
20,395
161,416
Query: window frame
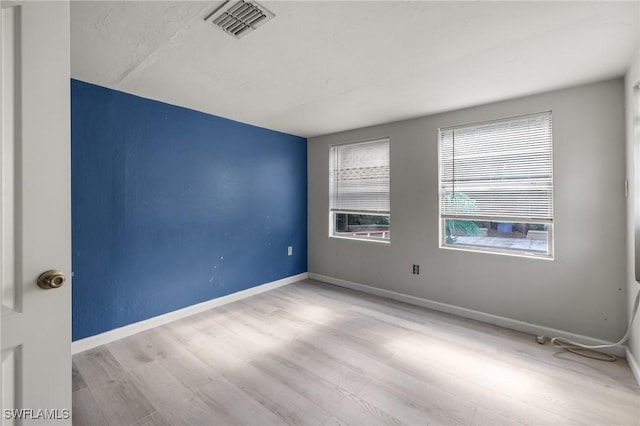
549,255
333,211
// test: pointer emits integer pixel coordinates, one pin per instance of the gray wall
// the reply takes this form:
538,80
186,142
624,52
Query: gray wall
633,152
581,291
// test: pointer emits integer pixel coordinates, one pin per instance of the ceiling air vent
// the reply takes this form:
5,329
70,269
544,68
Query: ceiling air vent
239,18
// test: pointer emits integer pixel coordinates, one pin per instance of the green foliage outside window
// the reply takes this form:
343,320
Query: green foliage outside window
459,203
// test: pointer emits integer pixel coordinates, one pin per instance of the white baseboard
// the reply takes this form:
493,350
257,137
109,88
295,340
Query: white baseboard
128,330
505,322
633,364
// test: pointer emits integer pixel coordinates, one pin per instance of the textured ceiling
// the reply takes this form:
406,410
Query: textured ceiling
324,66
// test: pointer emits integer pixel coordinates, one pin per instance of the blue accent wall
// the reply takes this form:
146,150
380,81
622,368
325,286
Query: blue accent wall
173,207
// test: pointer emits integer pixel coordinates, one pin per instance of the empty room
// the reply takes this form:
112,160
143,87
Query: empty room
320,212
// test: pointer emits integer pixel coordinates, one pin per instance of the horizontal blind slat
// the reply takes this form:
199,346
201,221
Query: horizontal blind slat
502,168
360,177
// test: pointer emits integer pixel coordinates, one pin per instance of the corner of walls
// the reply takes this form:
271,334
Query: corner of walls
173,207
633,176
633,364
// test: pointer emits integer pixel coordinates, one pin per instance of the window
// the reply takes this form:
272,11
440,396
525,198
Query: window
496,186
359,190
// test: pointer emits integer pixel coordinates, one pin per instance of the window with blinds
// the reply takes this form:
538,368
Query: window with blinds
359,190
496,185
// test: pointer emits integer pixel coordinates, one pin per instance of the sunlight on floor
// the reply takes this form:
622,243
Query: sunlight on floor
251,338
315,313
471,366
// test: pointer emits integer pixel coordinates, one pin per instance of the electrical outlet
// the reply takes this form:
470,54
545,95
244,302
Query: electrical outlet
416,269
290,251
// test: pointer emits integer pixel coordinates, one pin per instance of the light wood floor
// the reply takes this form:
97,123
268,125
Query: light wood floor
315,354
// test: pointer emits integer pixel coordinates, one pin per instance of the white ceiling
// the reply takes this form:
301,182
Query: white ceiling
324,66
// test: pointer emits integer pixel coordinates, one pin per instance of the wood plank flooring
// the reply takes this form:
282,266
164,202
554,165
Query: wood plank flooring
314,354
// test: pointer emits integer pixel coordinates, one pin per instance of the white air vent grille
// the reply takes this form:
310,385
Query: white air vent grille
239,18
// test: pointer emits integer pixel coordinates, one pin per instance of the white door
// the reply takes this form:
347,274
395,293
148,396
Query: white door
35,212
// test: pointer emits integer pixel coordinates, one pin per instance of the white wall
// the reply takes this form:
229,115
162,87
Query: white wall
581,291
632,152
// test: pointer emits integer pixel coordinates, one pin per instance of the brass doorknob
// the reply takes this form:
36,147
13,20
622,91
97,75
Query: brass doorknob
51,279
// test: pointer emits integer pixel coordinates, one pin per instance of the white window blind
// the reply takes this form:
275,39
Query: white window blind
359,177
498,170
